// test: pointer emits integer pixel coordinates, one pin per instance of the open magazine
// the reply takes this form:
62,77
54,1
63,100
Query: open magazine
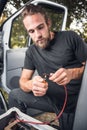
14,119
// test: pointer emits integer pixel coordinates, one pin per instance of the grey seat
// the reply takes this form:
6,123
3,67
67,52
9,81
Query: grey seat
80,121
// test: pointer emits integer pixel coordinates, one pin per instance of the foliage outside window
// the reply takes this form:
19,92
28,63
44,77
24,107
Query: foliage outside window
19,36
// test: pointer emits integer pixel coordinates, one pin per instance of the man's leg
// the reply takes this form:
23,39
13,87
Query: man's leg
23,100
66,121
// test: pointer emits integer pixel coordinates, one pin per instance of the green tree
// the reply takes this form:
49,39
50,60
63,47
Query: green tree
77,10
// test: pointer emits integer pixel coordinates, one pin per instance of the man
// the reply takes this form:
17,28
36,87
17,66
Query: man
60,56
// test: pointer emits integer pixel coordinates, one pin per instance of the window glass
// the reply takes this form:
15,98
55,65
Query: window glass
19,36
56,18
56,14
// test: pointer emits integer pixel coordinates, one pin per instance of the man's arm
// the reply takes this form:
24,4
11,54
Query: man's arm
76,73
25,80
36,84
64,76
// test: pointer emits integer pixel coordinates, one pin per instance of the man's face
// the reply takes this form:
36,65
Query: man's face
38,29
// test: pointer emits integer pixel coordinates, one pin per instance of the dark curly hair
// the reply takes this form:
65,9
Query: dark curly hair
32,9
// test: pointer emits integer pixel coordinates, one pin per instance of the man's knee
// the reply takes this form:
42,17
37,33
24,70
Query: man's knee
12,98
15,100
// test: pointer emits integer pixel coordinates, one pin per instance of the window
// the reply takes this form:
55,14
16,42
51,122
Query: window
19,36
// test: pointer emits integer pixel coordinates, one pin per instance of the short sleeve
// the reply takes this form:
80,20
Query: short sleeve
79,46
28,62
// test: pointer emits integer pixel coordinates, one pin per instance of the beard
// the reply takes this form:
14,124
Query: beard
43,42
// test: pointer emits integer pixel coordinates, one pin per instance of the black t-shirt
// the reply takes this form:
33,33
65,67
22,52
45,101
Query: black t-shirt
66,50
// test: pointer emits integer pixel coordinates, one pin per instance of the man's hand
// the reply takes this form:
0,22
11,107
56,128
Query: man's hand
64,76
39,86
61,76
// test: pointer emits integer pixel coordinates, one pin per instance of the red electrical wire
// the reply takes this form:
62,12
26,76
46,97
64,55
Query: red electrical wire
57,117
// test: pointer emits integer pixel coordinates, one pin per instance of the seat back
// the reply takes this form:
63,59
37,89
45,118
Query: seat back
80,121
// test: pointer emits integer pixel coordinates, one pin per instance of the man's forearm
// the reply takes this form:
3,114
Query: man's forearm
26,85
76,73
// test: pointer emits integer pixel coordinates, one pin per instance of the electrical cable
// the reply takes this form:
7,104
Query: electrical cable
56,118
